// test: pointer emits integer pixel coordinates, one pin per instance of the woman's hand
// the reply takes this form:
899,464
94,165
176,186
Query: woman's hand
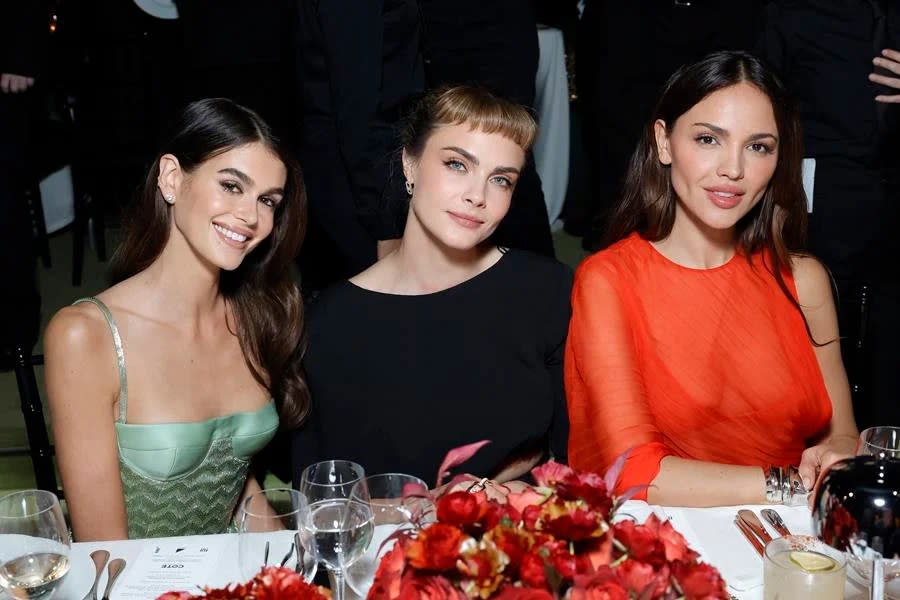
816,460
494,489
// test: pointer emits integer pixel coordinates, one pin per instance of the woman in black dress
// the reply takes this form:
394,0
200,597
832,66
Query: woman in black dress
449,339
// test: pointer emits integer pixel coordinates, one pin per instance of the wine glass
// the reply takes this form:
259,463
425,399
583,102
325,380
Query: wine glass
395,500
341,528
880,442
34,544
271,533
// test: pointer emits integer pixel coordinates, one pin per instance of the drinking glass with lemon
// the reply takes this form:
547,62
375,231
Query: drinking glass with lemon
801,566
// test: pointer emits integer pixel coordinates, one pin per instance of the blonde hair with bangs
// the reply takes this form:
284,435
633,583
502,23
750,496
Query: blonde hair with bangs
466,104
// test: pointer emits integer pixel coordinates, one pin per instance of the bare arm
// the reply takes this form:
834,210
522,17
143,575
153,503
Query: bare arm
817,301
82,386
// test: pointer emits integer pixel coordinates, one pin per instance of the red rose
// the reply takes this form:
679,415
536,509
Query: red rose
642,542
642,578
512,592
675,545
428,587
700,581
602,585
461,508
436,547
497,512
588,487
387,578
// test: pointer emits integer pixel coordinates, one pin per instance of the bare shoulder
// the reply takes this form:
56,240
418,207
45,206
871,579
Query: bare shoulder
80,328
812,279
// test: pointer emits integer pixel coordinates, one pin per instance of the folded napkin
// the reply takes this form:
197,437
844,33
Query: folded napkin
712,533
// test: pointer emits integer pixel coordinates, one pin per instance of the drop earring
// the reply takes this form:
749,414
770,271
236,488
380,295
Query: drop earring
409,188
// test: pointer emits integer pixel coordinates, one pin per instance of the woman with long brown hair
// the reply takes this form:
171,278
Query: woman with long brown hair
205,314
702,340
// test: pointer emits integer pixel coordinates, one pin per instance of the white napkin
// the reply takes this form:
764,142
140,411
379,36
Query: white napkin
712,533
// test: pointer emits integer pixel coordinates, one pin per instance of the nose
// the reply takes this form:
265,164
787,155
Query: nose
732,163
475,194
247,209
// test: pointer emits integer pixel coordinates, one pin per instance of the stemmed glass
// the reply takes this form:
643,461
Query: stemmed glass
388,497
881,442
340,527
271,533
34,551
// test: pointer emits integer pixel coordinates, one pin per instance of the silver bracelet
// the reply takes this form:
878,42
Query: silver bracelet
774,485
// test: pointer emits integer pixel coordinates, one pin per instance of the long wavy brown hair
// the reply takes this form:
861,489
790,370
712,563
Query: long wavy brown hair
777,224
262,294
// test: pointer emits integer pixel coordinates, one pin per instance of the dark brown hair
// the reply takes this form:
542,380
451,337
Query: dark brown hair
777,224
263,296
455,105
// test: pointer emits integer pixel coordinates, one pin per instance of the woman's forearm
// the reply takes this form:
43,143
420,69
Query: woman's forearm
685,482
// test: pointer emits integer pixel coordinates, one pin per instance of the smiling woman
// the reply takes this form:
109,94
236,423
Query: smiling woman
454,340
205,311
702,338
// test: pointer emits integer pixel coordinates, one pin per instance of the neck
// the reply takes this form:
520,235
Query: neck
182,286
695,245
425,265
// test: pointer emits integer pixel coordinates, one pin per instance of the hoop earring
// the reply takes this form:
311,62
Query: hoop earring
409,188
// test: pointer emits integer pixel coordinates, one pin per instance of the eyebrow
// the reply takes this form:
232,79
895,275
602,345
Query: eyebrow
248,181
473,159
724,132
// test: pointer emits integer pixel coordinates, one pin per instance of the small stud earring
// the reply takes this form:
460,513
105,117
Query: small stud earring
409,188
170,198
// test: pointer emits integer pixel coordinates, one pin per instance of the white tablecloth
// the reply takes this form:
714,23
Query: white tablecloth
551,148
710,531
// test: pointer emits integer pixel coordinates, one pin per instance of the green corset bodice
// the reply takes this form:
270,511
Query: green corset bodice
184,478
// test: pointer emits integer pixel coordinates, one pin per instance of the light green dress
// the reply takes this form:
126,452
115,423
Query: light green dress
183,478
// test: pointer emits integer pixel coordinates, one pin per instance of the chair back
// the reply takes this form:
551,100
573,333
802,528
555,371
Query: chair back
35,427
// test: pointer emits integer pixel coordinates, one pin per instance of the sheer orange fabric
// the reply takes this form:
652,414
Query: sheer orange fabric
711,364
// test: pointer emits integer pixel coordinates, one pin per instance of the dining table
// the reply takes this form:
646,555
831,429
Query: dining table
709,531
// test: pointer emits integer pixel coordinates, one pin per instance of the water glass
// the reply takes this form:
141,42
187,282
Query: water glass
881,442
395,501
340,528
271,533
34,544
801,567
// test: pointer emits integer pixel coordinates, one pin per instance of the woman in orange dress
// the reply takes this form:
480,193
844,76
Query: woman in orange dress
702,341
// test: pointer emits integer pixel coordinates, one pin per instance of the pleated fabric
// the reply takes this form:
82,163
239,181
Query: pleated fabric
707,364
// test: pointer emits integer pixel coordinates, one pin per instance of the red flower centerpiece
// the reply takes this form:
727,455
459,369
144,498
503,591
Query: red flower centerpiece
271,583
557,540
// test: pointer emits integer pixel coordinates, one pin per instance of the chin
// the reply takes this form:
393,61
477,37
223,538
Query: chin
462,241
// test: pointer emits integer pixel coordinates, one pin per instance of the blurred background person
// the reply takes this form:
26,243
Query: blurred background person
358,68
825,52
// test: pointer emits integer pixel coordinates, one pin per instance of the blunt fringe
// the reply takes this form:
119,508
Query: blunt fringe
265,301
480,108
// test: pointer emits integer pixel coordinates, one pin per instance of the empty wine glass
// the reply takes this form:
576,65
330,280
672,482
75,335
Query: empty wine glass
34,544
271,533
395,501
341,528
880,442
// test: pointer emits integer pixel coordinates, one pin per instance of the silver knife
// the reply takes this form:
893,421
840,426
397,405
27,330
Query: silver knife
752,521
775,521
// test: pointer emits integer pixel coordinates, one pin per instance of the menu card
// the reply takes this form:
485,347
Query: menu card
170,565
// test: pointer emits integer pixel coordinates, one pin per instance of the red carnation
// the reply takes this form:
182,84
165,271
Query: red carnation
642,542
602,585
642,578
700,581
387,577
675,545
550,473
532,571
512,592
497,512
436,548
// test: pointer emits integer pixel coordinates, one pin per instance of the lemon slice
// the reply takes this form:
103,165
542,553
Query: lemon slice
812,561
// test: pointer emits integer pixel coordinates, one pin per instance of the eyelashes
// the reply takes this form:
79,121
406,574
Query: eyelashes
706,139
233,187
458,166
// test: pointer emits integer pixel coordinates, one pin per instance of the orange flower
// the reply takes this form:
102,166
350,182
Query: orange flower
436,548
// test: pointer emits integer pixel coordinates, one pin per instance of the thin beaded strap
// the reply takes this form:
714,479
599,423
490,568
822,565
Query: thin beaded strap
120,353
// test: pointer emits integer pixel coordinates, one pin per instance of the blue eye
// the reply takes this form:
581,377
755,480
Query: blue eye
502,181
455,165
